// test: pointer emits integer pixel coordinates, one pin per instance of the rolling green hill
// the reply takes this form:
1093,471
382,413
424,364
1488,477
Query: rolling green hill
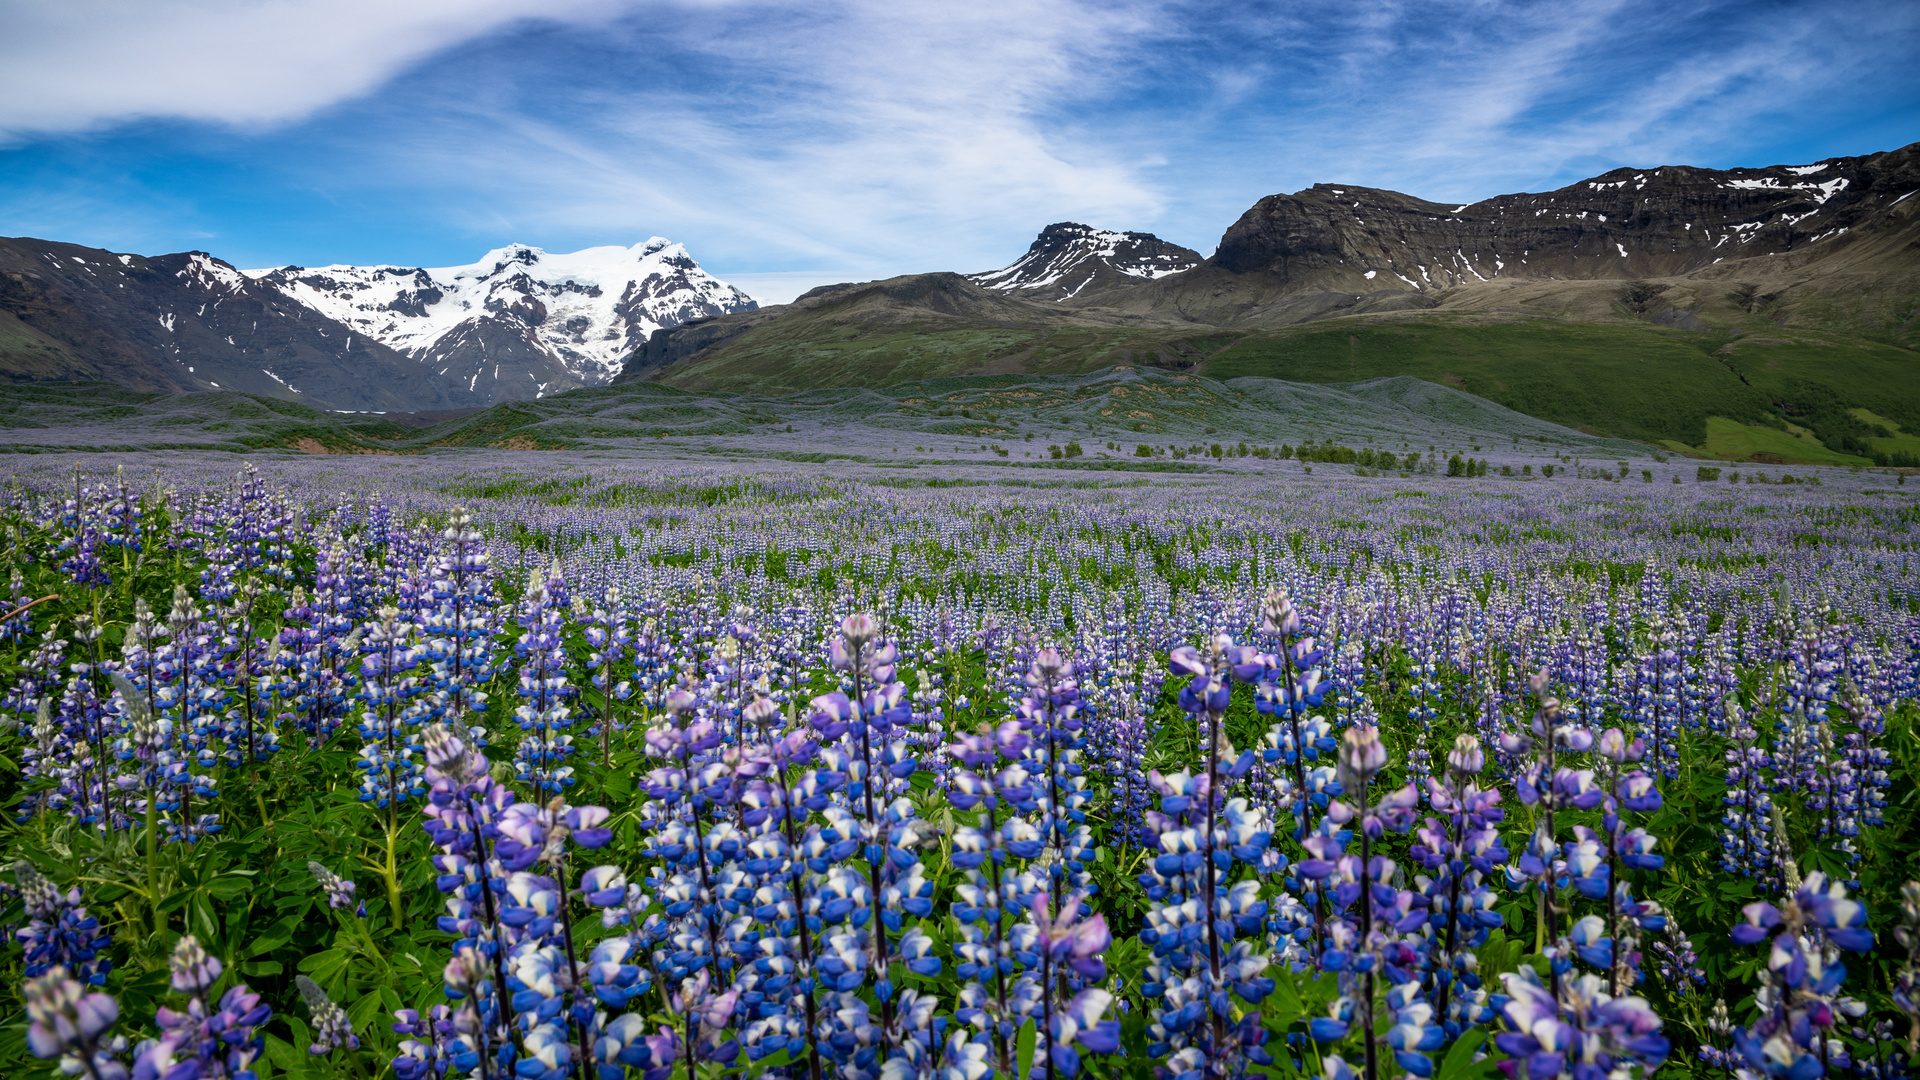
1618,378
54,417
999,417
1642,382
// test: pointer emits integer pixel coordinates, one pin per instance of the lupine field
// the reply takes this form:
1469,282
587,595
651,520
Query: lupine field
460,767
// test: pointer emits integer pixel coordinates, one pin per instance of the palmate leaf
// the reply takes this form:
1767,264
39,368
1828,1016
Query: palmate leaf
1023,1049
365,1012
286,1056
1459,1063
328,968
228,887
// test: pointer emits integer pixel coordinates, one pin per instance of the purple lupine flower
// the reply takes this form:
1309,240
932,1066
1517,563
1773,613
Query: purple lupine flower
67,1022
544,713
1801,999
222,1040
339,891
332,1028
1198,964
1459,852
625,1044
1581,1032
59,932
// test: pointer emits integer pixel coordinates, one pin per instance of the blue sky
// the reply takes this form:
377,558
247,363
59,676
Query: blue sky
789,145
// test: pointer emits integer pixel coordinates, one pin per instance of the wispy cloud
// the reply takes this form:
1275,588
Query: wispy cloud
841,136
860,138
79,64
1470,100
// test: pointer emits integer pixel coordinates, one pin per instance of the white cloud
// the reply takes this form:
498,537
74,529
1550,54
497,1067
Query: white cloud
847,136
77,64
803,143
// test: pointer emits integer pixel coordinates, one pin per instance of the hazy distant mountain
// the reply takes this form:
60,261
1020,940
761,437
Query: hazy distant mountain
1643,302
519,324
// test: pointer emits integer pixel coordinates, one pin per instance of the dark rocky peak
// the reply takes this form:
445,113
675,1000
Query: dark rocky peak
1627,223
202,271
189,321
1073,261
515,253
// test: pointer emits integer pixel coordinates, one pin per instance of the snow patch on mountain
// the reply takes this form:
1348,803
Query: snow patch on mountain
1068,256
207,272
585,310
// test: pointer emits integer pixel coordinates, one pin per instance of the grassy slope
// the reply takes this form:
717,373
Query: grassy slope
95,416
1645,383
1753,442
26,353
1620,378
1873,375
1632,380
1768,342
1900,442
784,363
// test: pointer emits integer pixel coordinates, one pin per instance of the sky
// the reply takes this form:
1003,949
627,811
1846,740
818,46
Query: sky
794,144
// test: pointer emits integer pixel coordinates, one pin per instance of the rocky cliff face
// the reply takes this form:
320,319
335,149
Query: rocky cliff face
1628,223
1070,260
190,322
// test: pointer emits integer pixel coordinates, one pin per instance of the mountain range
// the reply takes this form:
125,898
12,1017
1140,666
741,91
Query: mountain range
1744,312
557,321
1754,311
520,323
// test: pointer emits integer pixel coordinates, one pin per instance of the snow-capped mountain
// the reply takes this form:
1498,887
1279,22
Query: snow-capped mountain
1072,260
522,321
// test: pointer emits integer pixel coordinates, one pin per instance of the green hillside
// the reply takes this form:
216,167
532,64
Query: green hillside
1623,379
51,417
998,418
1632,381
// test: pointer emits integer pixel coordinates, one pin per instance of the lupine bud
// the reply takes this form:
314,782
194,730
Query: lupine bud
340,892
1362,755
1466,758
332,1028
194,971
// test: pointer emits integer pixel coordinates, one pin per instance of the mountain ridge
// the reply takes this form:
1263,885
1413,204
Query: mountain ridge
556,320
520,323
1069,260
1782,297
1640,303
183,322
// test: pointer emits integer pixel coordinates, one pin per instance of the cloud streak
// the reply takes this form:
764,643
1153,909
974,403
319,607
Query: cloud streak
82,64
860,138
